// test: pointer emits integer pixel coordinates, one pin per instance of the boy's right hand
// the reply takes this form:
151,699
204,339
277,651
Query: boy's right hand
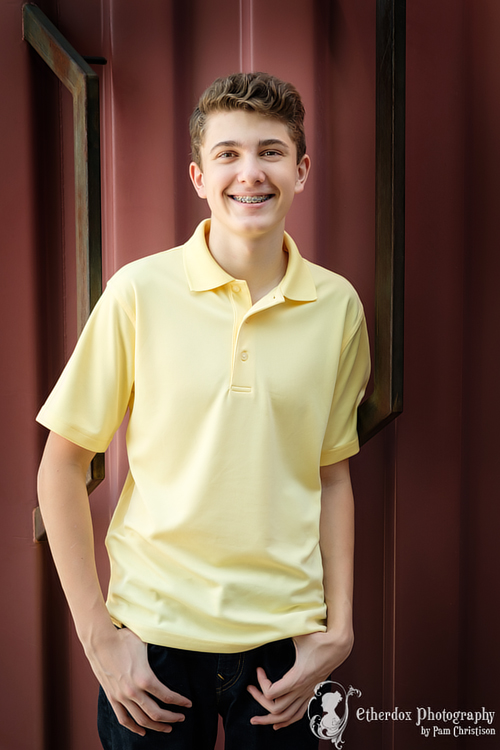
119,661
118,657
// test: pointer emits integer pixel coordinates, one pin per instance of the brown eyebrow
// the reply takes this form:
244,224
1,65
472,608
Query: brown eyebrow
262,144
273,142
224,144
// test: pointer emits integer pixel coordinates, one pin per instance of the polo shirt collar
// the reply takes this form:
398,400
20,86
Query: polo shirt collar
202,270
204,273
297,283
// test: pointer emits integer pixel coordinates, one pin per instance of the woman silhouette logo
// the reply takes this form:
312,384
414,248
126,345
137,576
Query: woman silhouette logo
327,717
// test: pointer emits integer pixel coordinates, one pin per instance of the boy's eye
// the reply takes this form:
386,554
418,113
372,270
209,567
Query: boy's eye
271,152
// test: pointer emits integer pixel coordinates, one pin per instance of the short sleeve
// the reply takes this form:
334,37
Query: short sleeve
341,437
90,399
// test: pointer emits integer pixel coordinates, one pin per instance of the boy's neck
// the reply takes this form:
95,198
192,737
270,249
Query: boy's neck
259,260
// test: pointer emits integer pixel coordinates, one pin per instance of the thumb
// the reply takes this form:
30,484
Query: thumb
264,681
274,690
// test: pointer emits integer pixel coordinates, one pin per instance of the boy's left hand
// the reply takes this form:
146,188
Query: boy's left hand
286,700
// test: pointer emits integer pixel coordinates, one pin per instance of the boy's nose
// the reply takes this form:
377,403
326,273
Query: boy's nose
251,172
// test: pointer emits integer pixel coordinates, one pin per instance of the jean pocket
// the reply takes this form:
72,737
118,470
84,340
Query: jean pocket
280,658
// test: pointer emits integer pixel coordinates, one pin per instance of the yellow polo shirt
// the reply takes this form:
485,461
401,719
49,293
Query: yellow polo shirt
214,544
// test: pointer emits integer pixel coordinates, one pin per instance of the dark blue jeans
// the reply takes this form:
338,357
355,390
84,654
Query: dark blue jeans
216,684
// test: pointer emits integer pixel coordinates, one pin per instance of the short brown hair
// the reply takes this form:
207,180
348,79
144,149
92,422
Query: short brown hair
254,92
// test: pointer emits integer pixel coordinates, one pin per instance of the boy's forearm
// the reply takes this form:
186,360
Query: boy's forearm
337,547
65,510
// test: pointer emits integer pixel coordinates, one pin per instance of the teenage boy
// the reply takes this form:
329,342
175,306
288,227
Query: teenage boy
242,366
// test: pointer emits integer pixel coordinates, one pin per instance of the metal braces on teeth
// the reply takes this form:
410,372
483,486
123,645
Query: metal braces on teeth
251,198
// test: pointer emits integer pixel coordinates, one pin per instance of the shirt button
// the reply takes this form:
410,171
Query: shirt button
244,356
236,288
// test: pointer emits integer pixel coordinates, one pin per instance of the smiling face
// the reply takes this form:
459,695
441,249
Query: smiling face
249,173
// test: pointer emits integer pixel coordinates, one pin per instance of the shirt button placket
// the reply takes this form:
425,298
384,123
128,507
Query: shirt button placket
242,372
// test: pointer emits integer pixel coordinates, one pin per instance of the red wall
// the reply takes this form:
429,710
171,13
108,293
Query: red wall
426,605
481,517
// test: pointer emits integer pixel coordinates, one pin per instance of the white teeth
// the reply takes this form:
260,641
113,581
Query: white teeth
251,198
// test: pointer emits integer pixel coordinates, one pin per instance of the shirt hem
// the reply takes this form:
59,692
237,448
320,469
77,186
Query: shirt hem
339,454
54,424
169,640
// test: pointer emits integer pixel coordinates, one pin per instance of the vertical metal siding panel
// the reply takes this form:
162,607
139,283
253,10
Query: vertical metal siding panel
429,432
481,522
20,645
345,141
139,81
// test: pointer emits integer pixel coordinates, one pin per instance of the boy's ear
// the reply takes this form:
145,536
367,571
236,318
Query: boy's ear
197,179
303,168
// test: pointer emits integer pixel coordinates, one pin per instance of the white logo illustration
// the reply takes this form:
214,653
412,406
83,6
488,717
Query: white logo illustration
326,722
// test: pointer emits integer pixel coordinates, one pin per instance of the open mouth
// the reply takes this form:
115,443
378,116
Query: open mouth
252,198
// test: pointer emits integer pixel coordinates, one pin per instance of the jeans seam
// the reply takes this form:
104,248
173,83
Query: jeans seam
234,679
